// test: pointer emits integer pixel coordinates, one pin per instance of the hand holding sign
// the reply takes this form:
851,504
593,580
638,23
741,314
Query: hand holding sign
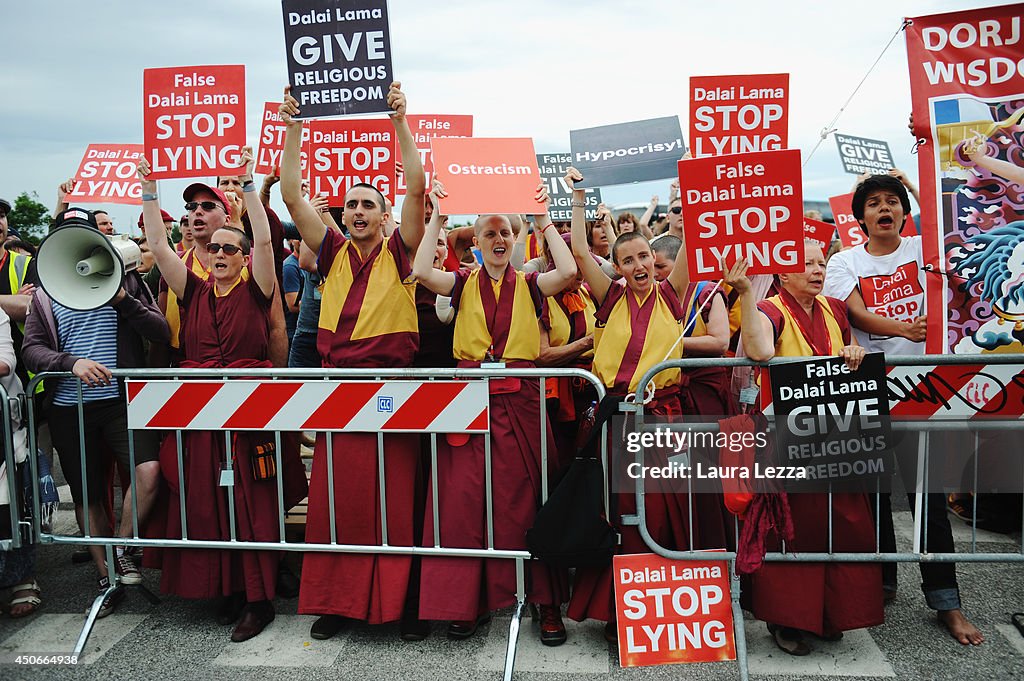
853,355
542,198
396,100
289,109
736,276
437,192
246,162
572,176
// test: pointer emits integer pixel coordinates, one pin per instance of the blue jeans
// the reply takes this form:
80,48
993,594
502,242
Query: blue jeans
303,354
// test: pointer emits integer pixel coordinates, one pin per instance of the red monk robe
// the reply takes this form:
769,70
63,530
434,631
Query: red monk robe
221,331
568,317
496,318
823,598
705,390
631,336
367,319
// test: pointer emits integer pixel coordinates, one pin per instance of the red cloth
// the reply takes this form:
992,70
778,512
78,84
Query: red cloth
667,520
463,588
364,587
207,573
766,513
737,492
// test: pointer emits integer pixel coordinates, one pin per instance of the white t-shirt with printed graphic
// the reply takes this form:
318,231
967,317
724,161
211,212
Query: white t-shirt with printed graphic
892,286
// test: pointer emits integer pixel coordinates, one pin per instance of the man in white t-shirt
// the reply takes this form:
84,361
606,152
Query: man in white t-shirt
883,284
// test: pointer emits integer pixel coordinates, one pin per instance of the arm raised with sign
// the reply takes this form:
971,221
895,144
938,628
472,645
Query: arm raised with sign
264,270
756,329
438,281
553,281
411,230
307,219
172,268
596,279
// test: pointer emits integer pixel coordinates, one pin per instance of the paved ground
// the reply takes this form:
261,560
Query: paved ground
179,639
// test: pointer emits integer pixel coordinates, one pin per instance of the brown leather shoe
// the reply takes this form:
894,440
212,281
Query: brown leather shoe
552,629
458,631
255,618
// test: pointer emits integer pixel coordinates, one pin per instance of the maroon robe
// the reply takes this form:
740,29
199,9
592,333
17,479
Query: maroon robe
371,588
668,521
705,390
461,589
822,598
221,332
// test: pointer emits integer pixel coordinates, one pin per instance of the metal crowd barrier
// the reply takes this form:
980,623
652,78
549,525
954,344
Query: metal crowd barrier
334,376
7,406
920,554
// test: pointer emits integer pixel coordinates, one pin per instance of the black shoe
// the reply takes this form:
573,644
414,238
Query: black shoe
229,608
287,582
458,631
255,618
326,626
413,629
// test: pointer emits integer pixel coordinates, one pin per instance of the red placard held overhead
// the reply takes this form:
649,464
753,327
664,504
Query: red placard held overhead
107,175
495,175
194,120
739,114
345,152
671,611
272,130
426,127
743,206
819,232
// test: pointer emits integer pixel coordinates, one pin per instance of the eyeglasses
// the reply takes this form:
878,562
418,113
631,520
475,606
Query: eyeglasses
229,249
676,210
206,205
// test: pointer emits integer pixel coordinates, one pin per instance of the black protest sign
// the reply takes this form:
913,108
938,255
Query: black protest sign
861,155
552,173
832,422
627,152
339,56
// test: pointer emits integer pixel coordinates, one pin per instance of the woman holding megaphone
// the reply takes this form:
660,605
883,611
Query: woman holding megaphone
225,324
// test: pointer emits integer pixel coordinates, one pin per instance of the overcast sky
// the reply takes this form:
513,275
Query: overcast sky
71,71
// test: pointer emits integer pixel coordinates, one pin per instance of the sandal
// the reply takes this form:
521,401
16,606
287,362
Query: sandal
1017,619
789,640
32,600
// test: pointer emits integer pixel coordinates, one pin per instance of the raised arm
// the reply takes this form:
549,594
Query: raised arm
172,268
306,218
264,270
756,329
680,275
438,281
411,230
607,222
645,219
518,258
905,179
268,183
595,277
555,280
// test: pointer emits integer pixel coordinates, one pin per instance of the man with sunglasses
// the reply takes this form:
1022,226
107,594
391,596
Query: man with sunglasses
367,319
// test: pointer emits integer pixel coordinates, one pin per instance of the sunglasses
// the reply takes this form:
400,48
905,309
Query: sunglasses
676,210
229,249
206,205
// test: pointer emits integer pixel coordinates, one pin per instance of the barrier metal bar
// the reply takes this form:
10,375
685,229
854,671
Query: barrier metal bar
281,510
133,487
181,485
383,490
434,502
543,444
229,489
12,476
489,491
330,488
80,406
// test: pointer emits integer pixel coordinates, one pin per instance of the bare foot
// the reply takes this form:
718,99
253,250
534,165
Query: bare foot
960,627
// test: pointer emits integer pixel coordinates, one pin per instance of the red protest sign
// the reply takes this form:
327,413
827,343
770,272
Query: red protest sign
426,127
107,175
671,612
345,152
819,232
738,114
272,130
743,206
492,175
194,120
850,232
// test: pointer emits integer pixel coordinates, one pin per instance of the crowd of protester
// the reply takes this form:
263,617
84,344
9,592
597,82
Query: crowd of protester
241,288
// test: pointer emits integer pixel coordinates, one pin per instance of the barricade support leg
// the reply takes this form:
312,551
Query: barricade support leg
739,625
517,617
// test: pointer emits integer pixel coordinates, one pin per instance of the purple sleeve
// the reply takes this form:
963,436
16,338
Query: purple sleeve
615,291
668,292
401,256
461,277
535,294
192,284
329,247
775,317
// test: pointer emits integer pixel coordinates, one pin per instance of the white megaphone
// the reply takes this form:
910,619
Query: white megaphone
83,269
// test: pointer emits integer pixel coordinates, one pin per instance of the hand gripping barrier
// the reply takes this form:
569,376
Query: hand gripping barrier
327,400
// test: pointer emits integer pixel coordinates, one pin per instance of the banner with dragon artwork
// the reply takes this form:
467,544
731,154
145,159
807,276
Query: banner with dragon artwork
967,84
